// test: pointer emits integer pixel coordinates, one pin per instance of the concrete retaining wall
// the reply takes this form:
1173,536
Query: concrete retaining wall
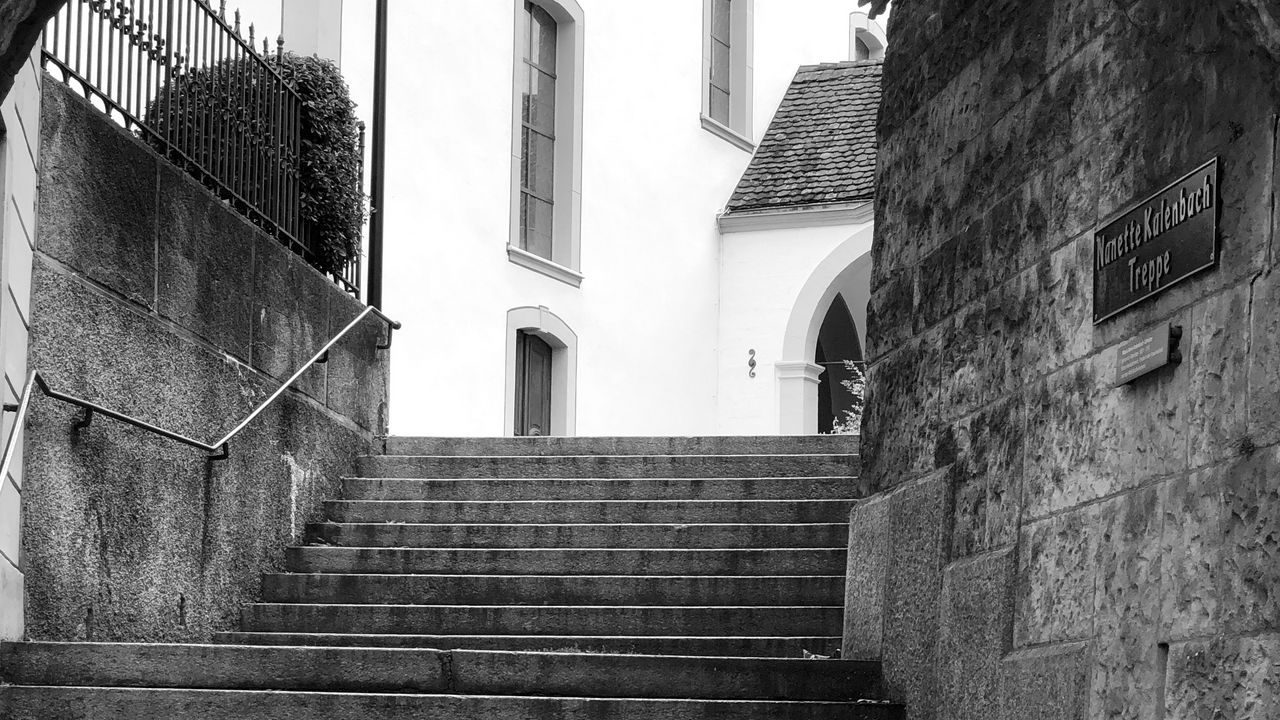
1046,545
150,296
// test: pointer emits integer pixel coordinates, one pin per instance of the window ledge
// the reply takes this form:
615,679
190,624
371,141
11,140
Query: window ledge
539,264
735,139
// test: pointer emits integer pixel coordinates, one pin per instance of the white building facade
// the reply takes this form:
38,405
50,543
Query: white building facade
555,174
556,235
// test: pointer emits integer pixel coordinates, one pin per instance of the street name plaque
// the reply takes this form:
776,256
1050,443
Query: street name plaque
1147,248
1149,351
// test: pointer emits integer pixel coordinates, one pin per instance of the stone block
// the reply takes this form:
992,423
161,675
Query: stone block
865,575
889,321
919,521
12,601
290,315
129,536
1057,298
1191,555
356,373
1086,439
1049,683
975,629
206,258
1126,681
97,196
962,390
895,432
10,522
1056,578
1264,356
1218,347
1251,543
1224,678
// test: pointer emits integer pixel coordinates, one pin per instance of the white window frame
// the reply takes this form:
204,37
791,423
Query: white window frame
566,220
738,131
542,323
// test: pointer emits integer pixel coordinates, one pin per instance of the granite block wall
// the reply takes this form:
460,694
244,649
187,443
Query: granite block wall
1101,552
152,297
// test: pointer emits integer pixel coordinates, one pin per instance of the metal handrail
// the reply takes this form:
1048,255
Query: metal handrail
217,450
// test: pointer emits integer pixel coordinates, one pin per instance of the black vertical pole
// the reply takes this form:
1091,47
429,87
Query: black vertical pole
379,155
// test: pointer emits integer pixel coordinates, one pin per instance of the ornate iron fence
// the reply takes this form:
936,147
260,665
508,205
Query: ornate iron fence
183,77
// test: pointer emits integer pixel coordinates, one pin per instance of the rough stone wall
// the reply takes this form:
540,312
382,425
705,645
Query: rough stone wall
1045,545
152,297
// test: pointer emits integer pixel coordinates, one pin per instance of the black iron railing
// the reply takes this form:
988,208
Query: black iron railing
183,77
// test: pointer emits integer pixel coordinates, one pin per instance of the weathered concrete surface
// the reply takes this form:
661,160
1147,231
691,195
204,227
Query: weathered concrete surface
92,703
786,646
1231,679
975,632
649,535
866,570
143,300
1139,518
529,589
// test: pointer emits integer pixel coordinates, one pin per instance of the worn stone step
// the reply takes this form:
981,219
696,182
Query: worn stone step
770,488
589,511
709,445
617,466
81,703
385,670
670,535
558,561
542,620
777,646
552,589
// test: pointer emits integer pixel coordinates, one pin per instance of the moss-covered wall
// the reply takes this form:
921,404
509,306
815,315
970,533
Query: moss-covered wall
1046,545
150,296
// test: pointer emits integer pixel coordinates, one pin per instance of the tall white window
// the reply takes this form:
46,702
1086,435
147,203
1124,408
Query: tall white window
547,143
727,64
538,131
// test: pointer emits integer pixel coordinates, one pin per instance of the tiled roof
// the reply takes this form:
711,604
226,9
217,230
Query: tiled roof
820,148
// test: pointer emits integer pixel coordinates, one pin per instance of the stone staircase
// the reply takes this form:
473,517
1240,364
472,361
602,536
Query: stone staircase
523,578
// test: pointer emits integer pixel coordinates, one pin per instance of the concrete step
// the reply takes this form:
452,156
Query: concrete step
80,703
617,466
542,620
381,670
552,589
712,445
778,646
601,488
669,535
557,561
589,511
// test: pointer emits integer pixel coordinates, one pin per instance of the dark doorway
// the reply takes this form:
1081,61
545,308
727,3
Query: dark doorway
837,342
533,385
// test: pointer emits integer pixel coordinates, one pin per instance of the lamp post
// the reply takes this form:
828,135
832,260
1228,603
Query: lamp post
378,154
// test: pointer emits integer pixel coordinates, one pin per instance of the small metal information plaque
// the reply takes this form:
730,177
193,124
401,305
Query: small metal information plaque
1153,245
1149,351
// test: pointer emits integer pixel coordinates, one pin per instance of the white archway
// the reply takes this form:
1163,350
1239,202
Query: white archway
563,340
845,271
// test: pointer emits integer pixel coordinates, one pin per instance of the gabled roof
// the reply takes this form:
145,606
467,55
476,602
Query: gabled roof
820,148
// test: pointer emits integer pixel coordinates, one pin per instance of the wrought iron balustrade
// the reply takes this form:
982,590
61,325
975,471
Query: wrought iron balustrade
182,77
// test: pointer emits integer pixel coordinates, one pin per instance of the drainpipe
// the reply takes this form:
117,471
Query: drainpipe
376,197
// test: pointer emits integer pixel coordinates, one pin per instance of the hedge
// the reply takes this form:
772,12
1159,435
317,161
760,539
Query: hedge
332,203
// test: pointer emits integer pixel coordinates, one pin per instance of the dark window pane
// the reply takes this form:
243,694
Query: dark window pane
719,106
719,65
542,39
535,225
720,17
540,100
861,51
538,164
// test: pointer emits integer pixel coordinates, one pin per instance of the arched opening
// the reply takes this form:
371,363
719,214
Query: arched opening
837,345
542,373
841,280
